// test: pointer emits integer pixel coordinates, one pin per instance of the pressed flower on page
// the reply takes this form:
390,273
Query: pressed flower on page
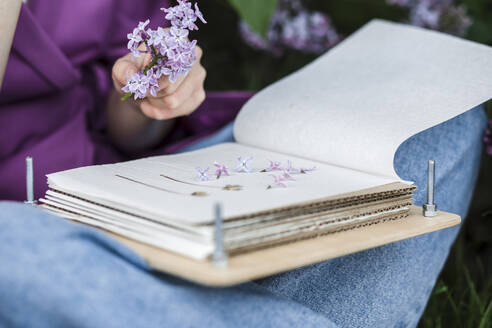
290,168
274,166
203,174
221,170
278,181
243,164
286,176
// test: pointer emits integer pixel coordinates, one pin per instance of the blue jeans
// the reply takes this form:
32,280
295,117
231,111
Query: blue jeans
54,273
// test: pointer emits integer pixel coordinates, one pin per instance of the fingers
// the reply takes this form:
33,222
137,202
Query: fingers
173,99
127,66
191,83
192,103
183,102
186,108
178,98
122,69
167,88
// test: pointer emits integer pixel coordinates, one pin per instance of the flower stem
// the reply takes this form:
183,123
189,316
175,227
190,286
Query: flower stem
126,96
155,57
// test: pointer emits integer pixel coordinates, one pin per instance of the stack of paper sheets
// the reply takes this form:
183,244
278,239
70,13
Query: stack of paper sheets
139,200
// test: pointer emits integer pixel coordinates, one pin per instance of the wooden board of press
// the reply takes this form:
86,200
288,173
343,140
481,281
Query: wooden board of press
266,262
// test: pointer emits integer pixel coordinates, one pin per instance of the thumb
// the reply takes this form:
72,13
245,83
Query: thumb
123,68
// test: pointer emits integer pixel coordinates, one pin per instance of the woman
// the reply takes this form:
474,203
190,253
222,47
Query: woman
55,273
57,100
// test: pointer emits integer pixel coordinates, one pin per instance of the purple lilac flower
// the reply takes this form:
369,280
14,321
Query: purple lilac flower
155,36
293,26
290,168
278,181
243,164
177,37
221,169
286,175
199,14
423,14
137,37
178,51
180,60
274,166
203,174
183,16
251,38
442,15
139,84
172,53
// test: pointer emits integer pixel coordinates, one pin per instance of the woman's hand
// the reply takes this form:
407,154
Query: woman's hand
174,99
138,125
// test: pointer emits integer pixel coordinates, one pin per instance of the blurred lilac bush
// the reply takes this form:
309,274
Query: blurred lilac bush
442,15
487,139
293,26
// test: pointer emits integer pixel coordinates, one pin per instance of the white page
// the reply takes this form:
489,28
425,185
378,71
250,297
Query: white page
355,105
104,184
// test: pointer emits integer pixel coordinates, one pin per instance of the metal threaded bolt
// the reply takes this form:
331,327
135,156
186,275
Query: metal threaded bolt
429,208
430,182
29,181
219,257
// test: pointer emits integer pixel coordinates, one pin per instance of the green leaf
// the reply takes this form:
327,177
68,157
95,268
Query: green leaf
257,13
485,321
440,288
474,295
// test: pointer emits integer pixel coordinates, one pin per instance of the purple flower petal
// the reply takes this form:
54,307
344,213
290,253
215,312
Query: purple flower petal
274,166
199,14
221,170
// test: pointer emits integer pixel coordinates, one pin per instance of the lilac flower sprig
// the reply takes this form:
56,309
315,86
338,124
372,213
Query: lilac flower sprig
173,55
